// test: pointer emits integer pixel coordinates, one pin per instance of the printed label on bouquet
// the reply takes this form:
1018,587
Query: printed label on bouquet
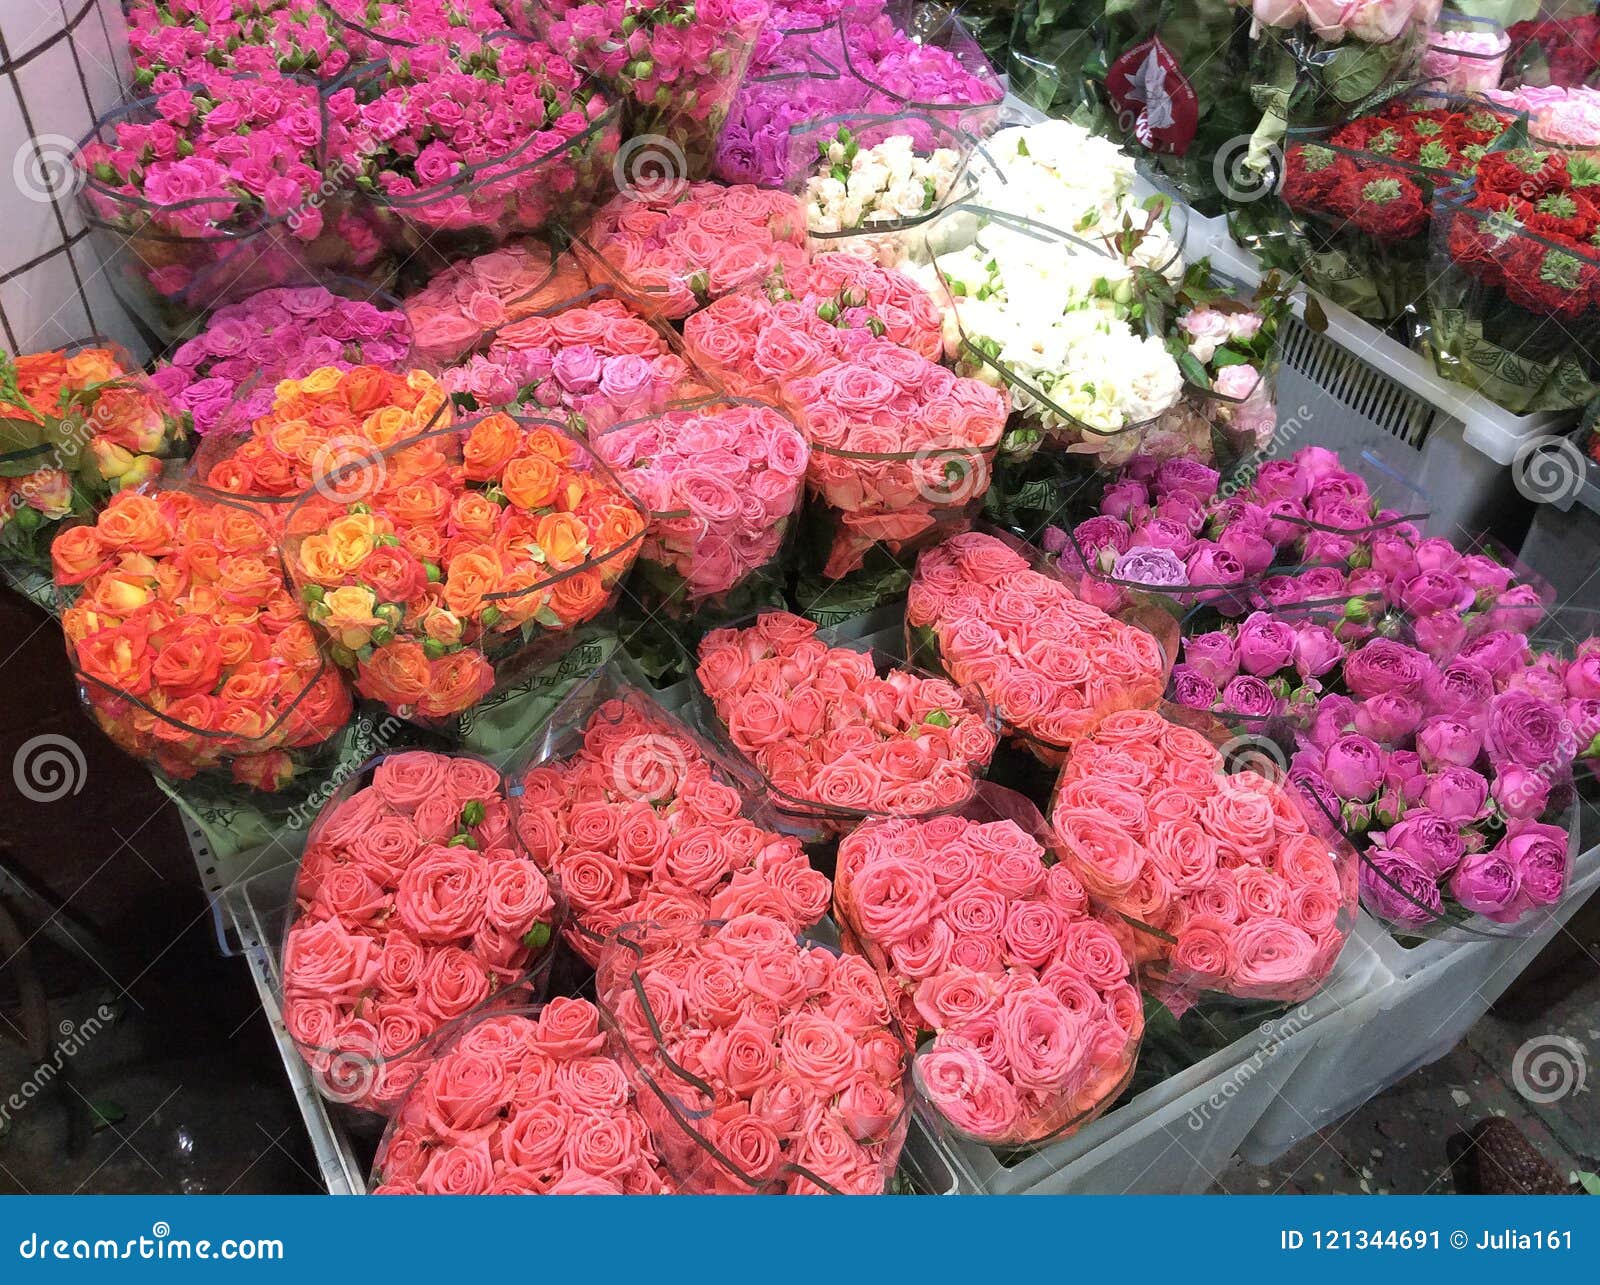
1153,99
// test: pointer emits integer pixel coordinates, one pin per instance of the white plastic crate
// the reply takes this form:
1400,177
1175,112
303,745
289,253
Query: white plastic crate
1175,1137
1440,991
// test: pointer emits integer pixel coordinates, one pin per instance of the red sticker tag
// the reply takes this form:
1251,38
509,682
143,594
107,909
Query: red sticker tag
1154,101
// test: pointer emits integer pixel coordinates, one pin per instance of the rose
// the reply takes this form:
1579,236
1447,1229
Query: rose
441,895
1458,794
1433,843
1446,741
516,896
1539,854
452,983
1382,667
1523,730
1520,793
1265,645
1396,889
1270,952
895,899
326,961
971,1094
1487,883
1215,655
465,1092
1353,766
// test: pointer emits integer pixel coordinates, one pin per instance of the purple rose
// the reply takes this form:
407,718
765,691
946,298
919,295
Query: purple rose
1519,609
1382,666
1053,539
1216,655
1520,794
1432,842
1252,549
1404,774
1097,534
1440,634
1582,676
1461,687
1156,568
1316,651
1584,715
1525,730
1500,652
1210,564
1266,645
1458,794
1353,766
1393,558
1488,883
1431,591
1250,697
1396,889
1121,499
1334,717
1163,533
1444,740
1484,574
1539,853
1388,718
1187,475
1192,688
577,369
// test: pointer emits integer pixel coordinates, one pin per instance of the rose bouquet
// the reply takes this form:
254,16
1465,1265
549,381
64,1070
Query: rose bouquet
901,449
521,1103
1558,116
226,377
1226,350
458,560
1512,302
678,251
194,38
1049,318
317,428
1229,884
1021,1003
466,302
912,56
597,362
869,183
377,28
792,87
1362,193
476,139
1058,175
837,735
677,64
77,425
413,906
761,1064
807,320
1554,51
206,193
1049,664
722,481
188,647
1465,55
641,821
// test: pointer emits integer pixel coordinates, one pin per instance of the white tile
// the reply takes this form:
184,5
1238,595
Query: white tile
43,306
103,51
27,23
56,107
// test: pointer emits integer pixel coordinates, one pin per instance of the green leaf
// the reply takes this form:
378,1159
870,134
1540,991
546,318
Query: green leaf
536,937
1227,357
104,1113
1193,370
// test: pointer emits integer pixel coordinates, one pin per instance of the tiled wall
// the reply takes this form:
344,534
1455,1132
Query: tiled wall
62,63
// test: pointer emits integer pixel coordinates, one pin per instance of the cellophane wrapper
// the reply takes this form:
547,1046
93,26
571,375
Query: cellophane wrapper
796,84
77,425
1359,218
380,952
658,773
146,668
1461,70
1147,809
430,625
865,30
676,68
831,183
167,273
815,819
1087,969
539,1128
990,591
805,1138
1513,314
722,479
1554,51
537,182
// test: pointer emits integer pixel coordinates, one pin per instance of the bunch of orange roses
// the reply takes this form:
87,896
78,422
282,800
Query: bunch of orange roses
191,651
320,427
76,425
460,558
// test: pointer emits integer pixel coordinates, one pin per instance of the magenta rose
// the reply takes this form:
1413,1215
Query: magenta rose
1265,645
1487,883
1396,889
1214,655
1524,730
1434,844
1353,767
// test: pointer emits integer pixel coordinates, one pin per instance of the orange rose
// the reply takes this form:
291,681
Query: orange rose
240,531
578,597
245,581
490,443
564,540
531,481
270,771
468,577
548,444
347,615
233,476
475,514
442,626
236,645
204,562
319,713
251,682
419,502
395,674
317,561
133,521
75,555
523,595
296,643
388,425
424,542
322,380
365,388
616,525
119,658
461,679
352,539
